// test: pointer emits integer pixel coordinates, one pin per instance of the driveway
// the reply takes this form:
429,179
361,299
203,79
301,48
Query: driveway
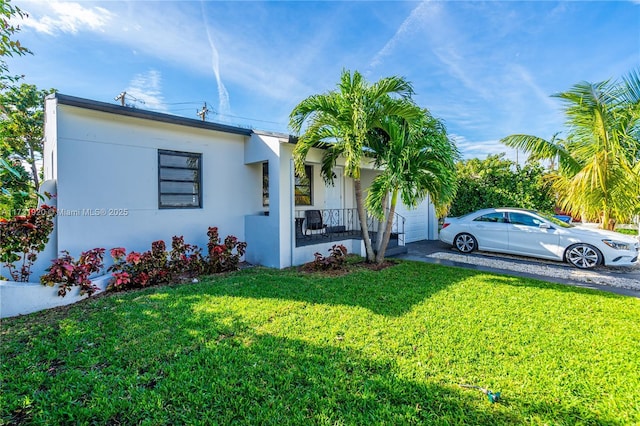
624,281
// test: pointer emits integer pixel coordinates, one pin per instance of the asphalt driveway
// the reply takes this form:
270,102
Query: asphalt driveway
441,253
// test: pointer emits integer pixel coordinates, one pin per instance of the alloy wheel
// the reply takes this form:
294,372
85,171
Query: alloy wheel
583,256
466,243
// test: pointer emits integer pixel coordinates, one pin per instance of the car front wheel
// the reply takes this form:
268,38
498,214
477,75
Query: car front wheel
465,243
583,256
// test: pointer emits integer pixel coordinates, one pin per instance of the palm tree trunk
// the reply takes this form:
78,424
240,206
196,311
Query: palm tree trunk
362,215
381,225
387,231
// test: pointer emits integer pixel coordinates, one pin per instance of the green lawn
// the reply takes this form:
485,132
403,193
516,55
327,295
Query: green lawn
280,347
632,232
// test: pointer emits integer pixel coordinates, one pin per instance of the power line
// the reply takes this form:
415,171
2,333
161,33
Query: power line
122,98
247,118
225,115
203,112
182,103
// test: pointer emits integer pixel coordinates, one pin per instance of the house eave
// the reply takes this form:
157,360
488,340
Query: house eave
146,115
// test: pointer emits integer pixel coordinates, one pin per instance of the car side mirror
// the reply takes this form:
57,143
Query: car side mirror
545,226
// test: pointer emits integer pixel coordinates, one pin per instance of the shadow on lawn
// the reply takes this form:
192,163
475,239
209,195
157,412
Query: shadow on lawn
214,369
147,357
393,291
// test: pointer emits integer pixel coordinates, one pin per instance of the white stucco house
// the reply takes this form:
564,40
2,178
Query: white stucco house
124,177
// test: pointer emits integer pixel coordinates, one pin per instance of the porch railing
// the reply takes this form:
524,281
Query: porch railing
342,224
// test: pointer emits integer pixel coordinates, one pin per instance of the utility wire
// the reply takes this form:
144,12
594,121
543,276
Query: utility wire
202,113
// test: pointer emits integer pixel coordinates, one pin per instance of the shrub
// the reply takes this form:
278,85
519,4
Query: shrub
499,182
336,259
69,272
221,256
185,259
135,270
23,237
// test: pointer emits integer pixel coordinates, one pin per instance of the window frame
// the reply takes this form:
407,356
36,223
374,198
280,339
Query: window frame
197,181
308,169
265,184
482,218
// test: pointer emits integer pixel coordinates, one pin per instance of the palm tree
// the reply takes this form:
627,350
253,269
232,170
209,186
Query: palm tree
341,122
418,159
598,174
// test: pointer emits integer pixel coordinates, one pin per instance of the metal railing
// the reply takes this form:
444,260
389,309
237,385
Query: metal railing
342,224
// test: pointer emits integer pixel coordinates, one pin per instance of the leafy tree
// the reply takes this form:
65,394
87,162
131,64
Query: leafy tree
499,182
12,191
22,126
15,189
417,159
598,172
342,122
9,46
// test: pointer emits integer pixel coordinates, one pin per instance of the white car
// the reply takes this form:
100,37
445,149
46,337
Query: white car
529,233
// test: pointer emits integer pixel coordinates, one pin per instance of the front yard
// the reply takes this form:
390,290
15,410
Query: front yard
280,347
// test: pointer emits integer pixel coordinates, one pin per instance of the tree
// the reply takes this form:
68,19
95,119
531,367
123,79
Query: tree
499,182
15,189
417,159
598,173
9,46
341,122
22,126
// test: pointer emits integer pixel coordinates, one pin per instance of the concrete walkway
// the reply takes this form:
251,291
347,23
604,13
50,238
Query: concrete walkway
421,250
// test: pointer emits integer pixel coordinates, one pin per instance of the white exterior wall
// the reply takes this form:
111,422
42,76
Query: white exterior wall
105,166
51,140
108,164
269,236
420,221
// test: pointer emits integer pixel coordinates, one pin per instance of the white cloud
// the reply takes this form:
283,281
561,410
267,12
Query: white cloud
177,33
224,106
481,149
55,17
146,89
416,19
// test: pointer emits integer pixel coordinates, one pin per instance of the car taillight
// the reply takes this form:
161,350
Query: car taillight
444,225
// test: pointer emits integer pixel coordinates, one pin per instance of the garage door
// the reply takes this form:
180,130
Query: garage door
416,225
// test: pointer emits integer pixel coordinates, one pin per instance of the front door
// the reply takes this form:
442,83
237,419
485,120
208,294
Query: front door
333,199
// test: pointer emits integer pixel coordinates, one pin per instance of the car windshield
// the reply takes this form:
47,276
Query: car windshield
555,220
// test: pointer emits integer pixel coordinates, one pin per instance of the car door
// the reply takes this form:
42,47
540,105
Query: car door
491,231
528,238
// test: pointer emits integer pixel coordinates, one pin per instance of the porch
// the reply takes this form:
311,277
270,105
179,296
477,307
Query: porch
321,226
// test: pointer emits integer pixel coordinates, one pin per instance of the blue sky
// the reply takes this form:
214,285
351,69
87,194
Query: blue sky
486,68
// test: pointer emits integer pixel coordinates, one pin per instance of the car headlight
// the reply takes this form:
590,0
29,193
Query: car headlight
618,245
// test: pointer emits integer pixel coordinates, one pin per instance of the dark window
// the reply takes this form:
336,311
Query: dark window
491,217
179,179
524,219
265,184
303,187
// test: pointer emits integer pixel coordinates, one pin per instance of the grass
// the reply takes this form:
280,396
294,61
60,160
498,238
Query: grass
276,347
632,232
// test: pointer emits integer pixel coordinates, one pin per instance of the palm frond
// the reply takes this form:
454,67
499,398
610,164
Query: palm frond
632,88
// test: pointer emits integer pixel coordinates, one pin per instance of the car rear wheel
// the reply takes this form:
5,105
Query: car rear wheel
465,243
583,256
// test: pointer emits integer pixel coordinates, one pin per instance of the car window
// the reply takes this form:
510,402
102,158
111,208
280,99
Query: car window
555,221
491,217
524,219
